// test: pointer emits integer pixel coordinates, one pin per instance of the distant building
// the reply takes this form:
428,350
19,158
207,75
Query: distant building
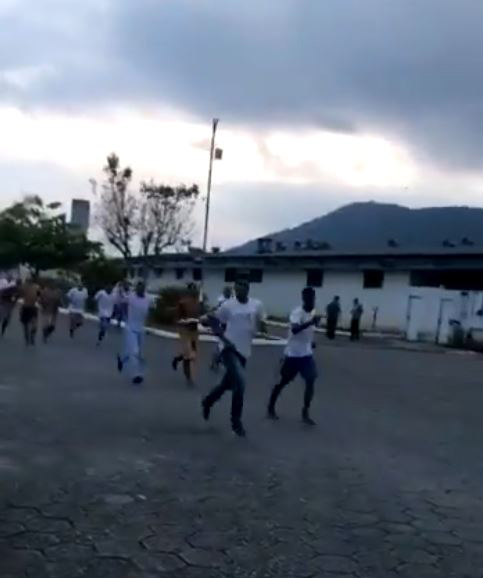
80,215
403,291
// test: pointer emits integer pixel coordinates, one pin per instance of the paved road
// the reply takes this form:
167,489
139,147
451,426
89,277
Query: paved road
102,480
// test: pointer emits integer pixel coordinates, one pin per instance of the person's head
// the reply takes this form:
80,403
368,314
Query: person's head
109,288
192,290
125,286
242,289
80,284
227,292
356,301
308,298
336,299
140,288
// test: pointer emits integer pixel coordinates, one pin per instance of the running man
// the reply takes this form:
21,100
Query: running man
29,312
226,294
235,323
299,357
50,301
188,314
138,306
121,292
9,294
105,300
77,298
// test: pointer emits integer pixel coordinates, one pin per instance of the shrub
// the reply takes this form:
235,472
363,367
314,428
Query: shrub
164,312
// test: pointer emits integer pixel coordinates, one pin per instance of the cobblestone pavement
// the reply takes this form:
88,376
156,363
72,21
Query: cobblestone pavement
99,479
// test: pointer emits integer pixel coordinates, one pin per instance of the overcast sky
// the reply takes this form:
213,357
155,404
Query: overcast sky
321,102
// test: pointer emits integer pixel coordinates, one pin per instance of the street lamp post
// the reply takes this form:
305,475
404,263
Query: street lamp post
208,188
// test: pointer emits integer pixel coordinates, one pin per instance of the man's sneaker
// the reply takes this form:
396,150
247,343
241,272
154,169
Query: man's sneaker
239,430
120,364
306,418
206,409
272,414
138,380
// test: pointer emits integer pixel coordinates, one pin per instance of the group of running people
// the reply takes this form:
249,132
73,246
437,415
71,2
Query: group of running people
235,320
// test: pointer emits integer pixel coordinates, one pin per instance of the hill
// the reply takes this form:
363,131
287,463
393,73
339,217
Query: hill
375,226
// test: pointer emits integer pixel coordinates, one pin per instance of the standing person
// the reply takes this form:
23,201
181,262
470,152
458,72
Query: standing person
138,306
50,301
29,311
9,294
299,356
235,323
77,298
188,316
356,314
333,313
105,300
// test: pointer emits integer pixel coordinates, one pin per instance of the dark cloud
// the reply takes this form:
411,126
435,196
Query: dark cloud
410,69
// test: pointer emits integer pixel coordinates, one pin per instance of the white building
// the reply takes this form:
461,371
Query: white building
402,291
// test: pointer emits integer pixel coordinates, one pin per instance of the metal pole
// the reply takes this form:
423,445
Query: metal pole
208,188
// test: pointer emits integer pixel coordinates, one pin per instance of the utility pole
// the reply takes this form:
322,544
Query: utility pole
208,188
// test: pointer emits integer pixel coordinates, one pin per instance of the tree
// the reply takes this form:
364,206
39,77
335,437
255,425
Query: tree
36,235
164,218
118,209
100,272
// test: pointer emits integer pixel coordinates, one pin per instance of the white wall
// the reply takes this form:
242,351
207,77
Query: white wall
280,292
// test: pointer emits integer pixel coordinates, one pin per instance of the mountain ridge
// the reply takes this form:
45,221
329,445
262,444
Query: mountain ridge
371,225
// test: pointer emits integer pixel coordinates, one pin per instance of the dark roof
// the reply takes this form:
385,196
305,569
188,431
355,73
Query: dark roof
390,258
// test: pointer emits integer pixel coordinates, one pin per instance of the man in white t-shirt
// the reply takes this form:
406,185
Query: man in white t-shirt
235,322
77,298
299,357
105,300
138,306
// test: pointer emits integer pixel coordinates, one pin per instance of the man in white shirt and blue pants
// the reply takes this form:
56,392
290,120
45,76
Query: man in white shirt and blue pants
299,356
235,322
138,306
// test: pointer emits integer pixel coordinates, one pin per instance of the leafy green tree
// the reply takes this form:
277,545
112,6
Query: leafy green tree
37,235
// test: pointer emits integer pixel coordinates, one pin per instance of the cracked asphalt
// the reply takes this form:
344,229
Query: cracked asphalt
102,480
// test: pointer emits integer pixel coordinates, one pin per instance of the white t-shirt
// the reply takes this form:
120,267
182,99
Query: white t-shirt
300,345
137,311
77,300
241,320
105,303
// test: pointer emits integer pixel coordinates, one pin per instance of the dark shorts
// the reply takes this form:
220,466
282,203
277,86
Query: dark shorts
28,313
293,366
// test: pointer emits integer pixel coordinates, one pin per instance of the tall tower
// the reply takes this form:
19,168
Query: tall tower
80,215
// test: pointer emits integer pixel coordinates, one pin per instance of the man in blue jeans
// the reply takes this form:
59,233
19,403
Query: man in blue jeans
299,356
235,322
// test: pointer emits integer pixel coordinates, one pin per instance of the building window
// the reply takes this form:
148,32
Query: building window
373,279
255,276
315,278
179,273
230,275
158,272
197,274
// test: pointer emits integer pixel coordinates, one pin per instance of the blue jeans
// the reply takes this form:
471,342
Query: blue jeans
234,380
291,367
